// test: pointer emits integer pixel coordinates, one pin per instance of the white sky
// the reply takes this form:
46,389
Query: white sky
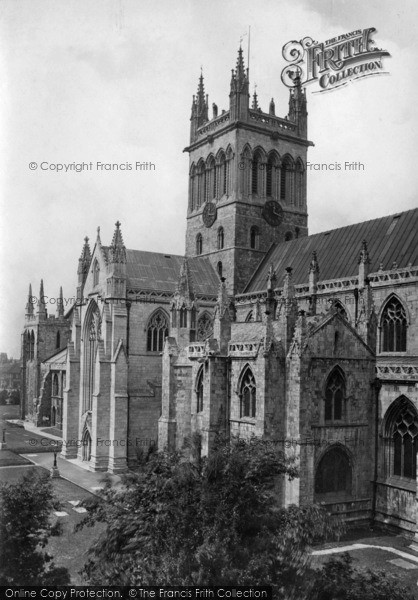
112,81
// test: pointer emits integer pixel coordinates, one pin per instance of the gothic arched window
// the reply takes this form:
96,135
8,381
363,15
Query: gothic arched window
255,175
221,238
192,188
199,244
199,391
55,385
269,176
92,335
334,396
200,184
211,179
248,394
220,268
254,238
393,327
204,327
334,474
286,191
183,317
340,309
157,331
31,345
299,184
402,434
58,340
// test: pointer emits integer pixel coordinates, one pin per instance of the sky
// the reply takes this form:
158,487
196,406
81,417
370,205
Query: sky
112,81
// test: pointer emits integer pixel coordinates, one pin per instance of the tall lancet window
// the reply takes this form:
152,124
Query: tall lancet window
91,338
248,393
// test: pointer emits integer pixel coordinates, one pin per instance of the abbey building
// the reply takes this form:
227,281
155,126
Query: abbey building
260,329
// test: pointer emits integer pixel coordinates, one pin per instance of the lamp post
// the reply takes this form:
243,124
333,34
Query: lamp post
3,443
54,471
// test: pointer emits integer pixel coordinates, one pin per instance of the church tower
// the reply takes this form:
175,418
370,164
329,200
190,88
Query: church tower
247,178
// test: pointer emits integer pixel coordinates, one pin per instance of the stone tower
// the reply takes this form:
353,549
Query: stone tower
43,335
247,178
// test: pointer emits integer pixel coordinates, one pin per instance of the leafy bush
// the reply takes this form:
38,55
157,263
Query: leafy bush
214,521
25,527
338,580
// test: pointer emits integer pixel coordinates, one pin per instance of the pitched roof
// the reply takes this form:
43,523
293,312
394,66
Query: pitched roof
160,272
389,239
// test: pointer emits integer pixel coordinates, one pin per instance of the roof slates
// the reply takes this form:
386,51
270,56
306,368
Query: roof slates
338,250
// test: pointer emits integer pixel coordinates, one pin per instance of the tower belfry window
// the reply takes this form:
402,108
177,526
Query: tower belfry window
255,167
283,182
221,238
269,178
199,244
254,238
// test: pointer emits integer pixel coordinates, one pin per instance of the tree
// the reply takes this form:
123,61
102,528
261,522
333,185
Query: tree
338,580
214,521
25,527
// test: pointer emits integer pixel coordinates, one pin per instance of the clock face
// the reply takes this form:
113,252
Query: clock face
209,214
273,213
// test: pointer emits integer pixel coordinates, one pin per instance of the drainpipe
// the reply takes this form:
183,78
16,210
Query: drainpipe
377,384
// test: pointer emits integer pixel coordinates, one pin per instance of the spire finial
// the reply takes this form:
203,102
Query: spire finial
364,253
314,265
41,304
255,99
29,305
60,304
117,250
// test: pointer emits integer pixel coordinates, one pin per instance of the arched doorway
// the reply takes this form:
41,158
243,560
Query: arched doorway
86,445
333,477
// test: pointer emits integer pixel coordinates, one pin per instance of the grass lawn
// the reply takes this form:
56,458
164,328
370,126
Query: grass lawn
378,560
69,549
8,458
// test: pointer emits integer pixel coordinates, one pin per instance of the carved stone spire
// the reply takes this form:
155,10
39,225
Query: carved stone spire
184,295
313,273
239,93
222,302
41,311
60,304
271,285
29,304
364,264
288,287
85,258
254,105
313,283
297,106
300,334
117,250
272,107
